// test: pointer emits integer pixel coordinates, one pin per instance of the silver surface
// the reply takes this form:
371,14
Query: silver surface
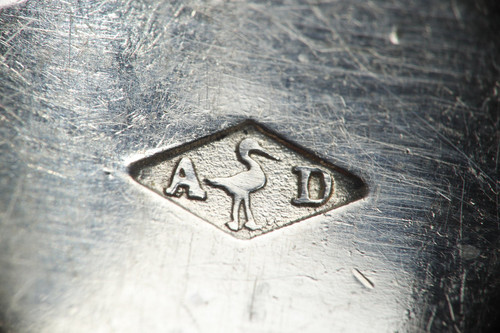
403,94
231,169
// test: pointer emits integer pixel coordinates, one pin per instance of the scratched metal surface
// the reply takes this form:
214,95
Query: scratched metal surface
404,94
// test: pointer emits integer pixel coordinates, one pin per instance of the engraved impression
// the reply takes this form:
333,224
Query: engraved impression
247,180
242,184
185,177
304,178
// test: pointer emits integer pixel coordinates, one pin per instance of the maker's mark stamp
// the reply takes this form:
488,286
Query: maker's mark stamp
242,184
247,181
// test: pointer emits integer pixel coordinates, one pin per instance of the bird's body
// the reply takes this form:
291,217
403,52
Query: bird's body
242,184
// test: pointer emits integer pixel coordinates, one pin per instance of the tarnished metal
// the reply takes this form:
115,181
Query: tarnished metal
402,94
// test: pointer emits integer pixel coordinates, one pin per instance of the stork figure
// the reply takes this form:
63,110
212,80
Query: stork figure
242,184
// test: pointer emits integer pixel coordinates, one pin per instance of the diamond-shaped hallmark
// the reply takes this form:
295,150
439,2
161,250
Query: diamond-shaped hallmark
247,180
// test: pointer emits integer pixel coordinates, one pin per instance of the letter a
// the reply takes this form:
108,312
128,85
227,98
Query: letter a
304,176
185,177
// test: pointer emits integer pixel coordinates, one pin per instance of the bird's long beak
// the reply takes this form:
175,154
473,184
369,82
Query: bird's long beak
269,156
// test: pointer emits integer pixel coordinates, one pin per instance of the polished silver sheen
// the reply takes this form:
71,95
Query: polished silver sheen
363,196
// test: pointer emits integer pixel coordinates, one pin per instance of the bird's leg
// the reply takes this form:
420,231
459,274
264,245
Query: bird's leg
235,220
248,212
